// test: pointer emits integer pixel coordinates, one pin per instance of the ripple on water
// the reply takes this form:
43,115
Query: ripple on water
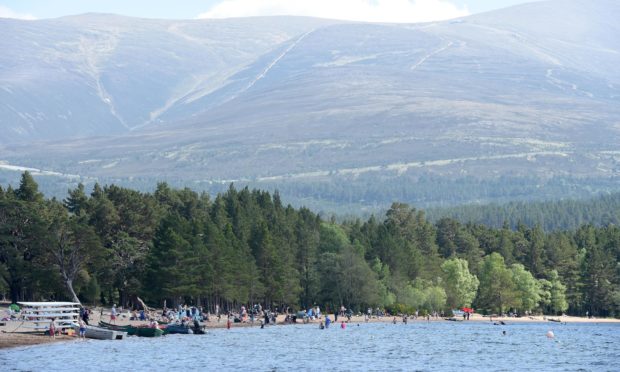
371,346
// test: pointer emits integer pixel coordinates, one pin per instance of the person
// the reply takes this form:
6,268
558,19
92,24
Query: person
113,314
53,327
405,319
228,322
394,320
86,316
82,325
327,321
321,325
335,316
343,325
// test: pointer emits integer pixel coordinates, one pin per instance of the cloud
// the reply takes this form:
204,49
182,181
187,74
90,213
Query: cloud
8,13
401,11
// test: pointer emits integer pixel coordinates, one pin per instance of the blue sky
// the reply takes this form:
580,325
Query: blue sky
371,10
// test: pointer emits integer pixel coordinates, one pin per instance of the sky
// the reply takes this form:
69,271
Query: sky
357,10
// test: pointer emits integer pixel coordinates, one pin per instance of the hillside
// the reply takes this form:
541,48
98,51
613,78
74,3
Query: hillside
521,96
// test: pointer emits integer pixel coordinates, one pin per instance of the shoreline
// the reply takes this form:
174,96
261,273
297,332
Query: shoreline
9,337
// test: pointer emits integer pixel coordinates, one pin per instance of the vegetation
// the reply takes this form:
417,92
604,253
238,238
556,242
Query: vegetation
245,246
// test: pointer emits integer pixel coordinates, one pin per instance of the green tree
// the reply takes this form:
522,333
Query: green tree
527,288
553,294
72,246
459,284
497,290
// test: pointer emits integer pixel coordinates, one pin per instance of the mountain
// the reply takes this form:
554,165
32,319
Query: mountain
513,104
98,74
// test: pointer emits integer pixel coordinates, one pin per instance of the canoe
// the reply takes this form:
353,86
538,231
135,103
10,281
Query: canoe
114,327
103,333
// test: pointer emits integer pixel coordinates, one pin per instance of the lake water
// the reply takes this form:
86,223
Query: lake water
448,346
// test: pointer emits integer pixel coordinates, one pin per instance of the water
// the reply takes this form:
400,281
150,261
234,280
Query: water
422,346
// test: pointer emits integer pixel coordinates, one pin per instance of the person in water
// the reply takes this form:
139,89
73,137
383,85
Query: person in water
343,325
321,325
327,321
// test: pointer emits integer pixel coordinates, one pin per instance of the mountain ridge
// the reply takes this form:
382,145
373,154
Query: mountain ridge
320,102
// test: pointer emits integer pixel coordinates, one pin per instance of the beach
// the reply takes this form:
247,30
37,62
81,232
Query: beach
12,334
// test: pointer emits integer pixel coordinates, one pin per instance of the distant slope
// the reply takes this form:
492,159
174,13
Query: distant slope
98,74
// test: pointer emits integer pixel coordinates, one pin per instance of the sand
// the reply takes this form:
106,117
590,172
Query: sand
9,336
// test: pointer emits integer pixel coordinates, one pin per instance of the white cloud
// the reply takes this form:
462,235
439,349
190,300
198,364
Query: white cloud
402,11
8,13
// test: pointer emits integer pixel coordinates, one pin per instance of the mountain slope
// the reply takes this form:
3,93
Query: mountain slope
526,93
100,74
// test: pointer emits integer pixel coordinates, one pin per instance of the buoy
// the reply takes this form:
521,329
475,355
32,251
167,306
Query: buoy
550,334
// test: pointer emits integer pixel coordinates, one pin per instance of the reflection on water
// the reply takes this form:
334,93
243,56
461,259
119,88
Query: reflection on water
378,346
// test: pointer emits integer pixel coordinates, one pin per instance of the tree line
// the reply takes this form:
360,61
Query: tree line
115,244
602,210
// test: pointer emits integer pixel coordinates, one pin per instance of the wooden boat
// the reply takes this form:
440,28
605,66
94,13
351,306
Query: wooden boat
121,328
103,333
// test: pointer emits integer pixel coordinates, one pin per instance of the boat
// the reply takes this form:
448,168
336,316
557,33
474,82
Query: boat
148,332
178,329
121,328
132,330
99,333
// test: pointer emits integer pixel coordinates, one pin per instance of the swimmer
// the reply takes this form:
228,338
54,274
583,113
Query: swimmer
550,334
504,333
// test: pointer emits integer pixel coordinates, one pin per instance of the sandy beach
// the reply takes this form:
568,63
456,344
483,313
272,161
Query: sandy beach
11,333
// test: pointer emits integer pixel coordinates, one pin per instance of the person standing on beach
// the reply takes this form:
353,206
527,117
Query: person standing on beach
82,325
113,314
53,327
86,316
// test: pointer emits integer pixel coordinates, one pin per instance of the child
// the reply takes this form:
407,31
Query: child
82,329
